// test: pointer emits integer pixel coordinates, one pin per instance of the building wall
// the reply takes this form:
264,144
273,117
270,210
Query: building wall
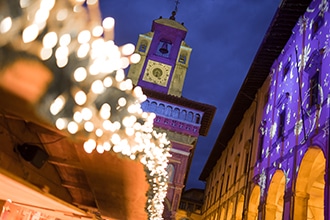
290,140
226,185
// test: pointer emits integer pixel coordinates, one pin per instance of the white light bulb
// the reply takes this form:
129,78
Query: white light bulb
87,114
135,58
62,52
62,62
72,127
128,49
80,74
105,111
120,75
84,36
47,4
108,23
89,145
115,139
62,14
61,123
106,146
97,87
45,53
97,31
5,25
83,50
30,33
77,116
100,149
80,98
89,126
107,125
122,101
57,105
99,132
107,82
50,40
41,16
65,40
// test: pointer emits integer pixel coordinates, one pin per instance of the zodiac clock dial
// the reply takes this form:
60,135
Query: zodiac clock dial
157,73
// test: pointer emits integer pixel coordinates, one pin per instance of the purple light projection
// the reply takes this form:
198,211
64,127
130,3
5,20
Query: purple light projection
296,116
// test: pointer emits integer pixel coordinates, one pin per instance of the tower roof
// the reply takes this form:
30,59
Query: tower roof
170,23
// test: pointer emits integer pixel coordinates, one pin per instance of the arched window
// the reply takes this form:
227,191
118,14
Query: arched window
190,116
153,107
168,110
197,118
183,115
171,172
161,109
175,113
143,46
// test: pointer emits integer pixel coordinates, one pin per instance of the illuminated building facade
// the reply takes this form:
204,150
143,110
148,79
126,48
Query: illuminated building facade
285,153
161,73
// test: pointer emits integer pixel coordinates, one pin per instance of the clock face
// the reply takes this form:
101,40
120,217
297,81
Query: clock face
157,73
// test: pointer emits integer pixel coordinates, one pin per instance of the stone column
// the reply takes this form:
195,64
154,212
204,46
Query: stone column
271,211
252,216
300,205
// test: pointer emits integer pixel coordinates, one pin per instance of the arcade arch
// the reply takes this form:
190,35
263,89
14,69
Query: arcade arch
275,196
254,203
309,195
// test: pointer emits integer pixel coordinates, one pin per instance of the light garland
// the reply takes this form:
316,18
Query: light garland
89,96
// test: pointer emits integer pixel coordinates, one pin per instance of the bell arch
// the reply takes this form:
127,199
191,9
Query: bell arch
275,196
310,183
254,203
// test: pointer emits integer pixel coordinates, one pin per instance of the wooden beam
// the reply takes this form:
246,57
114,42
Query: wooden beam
64,162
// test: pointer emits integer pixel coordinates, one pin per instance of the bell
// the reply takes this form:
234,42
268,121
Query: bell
164,49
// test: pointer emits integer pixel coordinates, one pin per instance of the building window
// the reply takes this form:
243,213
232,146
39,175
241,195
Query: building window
313,89
262,133
281,124
286,70
318,22
246,161
228,178
182,205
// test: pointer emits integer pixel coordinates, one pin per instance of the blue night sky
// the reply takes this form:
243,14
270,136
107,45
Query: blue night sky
224,35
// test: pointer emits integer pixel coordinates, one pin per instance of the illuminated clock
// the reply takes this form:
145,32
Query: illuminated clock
157,73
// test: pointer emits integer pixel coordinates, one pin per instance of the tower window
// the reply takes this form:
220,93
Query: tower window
182,58
143,46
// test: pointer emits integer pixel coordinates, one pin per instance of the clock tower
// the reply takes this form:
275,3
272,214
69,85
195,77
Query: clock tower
160,74
164,57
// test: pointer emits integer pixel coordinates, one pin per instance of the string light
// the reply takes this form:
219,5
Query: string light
91,98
